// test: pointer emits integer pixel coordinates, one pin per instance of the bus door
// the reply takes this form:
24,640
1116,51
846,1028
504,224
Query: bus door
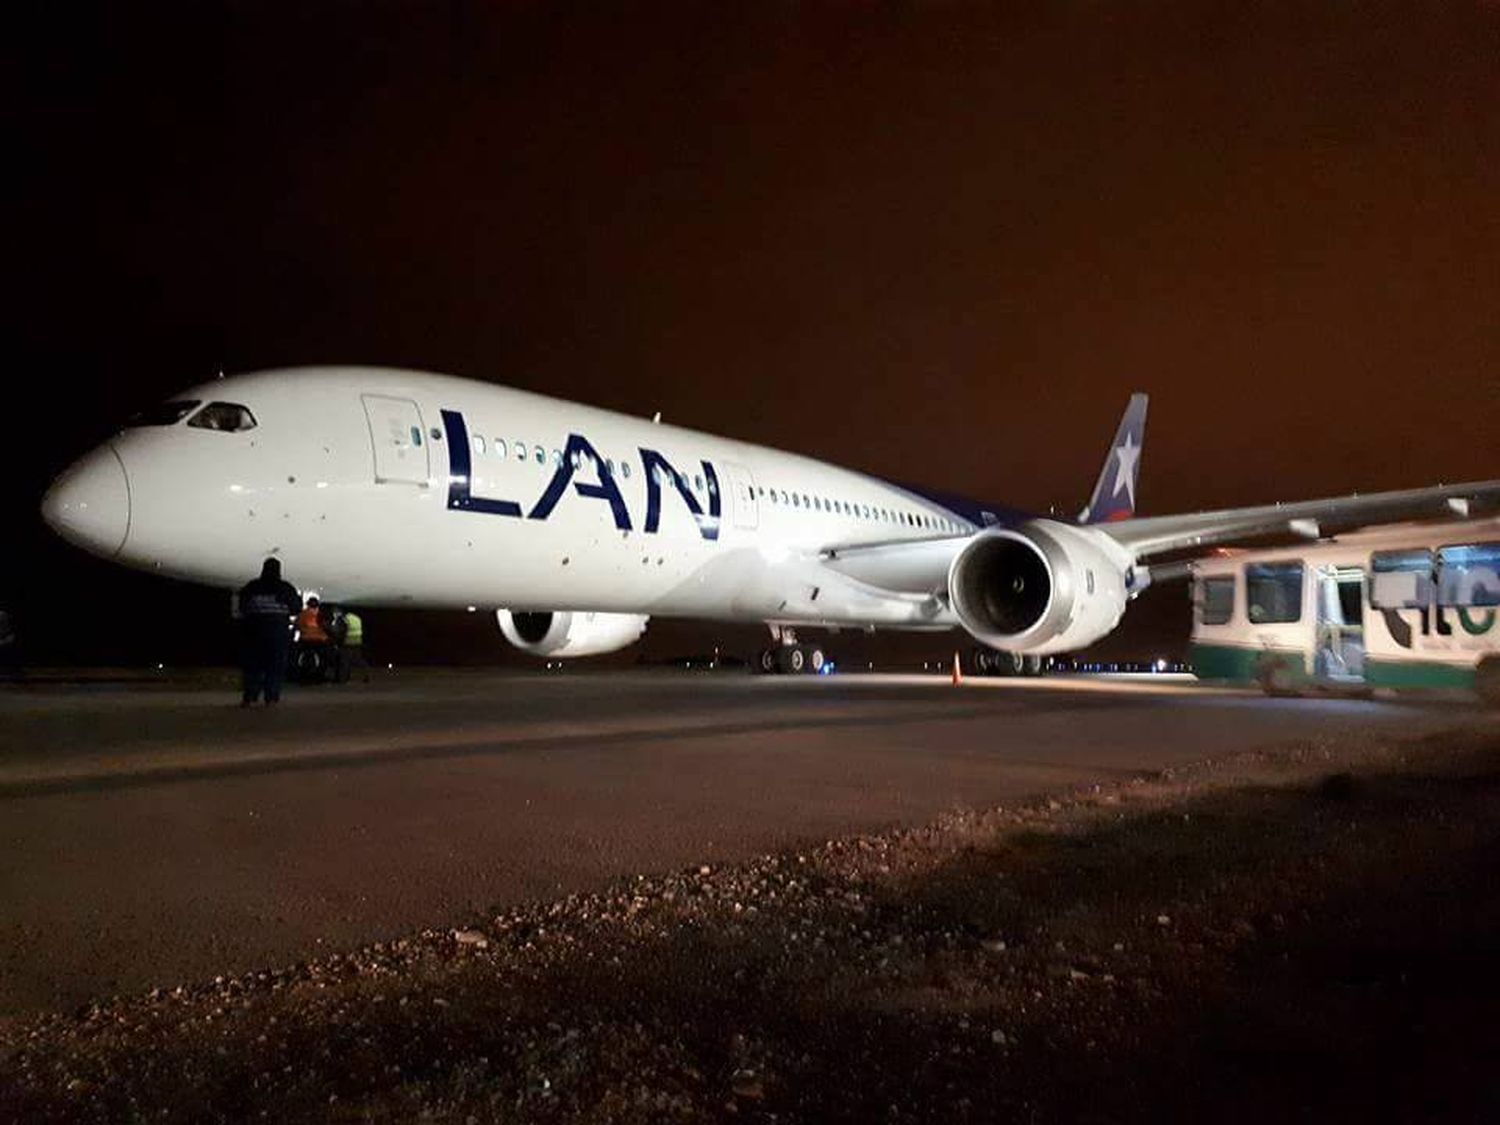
1340,651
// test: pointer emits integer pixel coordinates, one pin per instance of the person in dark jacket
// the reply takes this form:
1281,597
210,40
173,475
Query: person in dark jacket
267,606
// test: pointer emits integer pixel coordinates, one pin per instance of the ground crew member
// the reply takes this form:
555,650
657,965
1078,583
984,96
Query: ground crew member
353,651
310,624
266,605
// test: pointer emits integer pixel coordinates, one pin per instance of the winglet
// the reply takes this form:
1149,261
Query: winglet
1114,495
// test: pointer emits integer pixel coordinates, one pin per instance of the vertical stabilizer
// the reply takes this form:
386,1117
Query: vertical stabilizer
1114,495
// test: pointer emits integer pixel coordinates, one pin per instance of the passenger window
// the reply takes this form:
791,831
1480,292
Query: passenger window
1469,575
540,455
521,451
557,457
625,469
499,444
1401,579
416,435
1273,592
698,481
1216,600
609,466
228,417
479,444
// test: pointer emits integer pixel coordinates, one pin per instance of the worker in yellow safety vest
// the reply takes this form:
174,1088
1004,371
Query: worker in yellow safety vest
351,646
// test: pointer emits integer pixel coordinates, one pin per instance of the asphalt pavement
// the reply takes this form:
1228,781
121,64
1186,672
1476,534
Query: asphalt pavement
155,833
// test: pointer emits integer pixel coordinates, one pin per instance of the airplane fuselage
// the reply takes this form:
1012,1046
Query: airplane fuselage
396,488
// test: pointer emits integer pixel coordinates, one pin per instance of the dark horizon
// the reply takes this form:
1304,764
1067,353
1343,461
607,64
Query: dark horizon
938,244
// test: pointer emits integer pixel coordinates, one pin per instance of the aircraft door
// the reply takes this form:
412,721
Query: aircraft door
398,438
746,503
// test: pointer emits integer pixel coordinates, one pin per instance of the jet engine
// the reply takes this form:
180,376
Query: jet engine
1039,588
569,633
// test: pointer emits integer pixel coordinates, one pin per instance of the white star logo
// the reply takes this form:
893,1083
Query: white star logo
1127,455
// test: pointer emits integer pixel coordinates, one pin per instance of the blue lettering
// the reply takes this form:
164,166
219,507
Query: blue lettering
460,466
578,449
657,469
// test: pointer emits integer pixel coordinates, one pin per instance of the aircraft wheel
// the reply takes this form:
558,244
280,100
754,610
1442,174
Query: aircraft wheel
765,662
980,662
1487,680
815,659
1033,665
1010,664
792,659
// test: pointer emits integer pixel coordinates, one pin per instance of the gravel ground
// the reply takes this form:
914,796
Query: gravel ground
1303,934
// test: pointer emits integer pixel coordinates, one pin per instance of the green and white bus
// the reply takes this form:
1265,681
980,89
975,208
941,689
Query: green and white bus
1402,606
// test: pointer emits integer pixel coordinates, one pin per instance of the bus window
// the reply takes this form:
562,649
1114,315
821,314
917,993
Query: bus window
1469,575
1401,579
1273,592
1216,600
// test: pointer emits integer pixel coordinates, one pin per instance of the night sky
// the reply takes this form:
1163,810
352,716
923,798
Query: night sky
936,242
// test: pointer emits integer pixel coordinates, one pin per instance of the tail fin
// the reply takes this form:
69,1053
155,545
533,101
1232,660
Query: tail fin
1114,495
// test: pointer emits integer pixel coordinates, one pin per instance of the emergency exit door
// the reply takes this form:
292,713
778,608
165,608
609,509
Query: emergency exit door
398,438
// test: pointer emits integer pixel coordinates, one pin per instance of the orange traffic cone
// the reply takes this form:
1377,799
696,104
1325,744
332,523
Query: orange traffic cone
958,673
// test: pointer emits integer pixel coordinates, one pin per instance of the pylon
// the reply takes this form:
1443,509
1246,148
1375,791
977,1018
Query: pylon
958,673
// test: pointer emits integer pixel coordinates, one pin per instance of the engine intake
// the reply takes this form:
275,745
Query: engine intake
1042,587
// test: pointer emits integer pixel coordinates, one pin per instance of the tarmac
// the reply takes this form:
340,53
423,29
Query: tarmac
155,833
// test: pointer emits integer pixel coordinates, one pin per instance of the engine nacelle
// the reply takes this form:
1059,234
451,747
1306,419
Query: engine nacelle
1039,588
569,633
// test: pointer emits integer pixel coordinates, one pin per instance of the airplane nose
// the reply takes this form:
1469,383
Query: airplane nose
89,505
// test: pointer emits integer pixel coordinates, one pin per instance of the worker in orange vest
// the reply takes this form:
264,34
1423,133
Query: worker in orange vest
310,625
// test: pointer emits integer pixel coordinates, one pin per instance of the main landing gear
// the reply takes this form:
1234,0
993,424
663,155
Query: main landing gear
990,662
788,658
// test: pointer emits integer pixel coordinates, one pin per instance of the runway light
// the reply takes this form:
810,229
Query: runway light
473,609
1161,663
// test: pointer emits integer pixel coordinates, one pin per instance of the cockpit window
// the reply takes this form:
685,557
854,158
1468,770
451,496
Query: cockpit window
230,417
163,414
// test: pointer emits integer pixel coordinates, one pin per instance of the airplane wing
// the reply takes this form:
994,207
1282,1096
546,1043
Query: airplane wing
921,566
1154,535
912,566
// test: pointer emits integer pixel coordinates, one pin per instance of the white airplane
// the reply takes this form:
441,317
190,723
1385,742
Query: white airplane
381,487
